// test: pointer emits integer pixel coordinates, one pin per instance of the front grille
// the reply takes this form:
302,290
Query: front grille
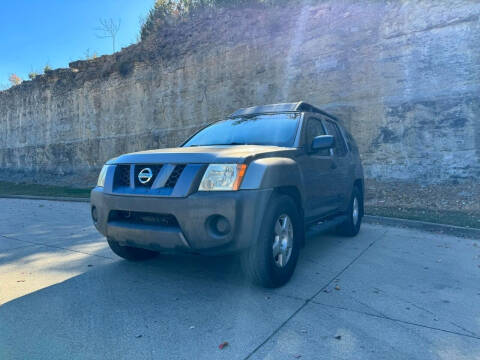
144,218
172,180
122,176
155,170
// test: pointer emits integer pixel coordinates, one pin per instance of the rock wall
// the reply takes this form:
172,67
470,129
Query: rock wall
404,76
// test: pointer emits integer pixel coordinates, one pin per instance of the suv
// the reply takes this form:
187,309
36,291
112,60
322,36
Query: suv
253,184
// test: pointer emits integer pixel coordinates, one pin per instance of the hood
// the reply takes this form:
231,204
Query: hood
200,154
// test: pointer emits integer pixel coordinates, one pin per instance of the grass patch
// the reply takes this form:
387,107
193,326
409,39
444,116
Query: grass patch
9,188
449,217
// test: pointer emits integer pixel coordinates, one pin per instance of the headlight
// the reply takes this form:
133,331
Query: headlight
101,177
222,177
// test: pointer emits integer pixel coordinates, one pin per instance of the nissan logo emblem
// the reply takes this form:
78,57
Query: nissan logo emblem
145,175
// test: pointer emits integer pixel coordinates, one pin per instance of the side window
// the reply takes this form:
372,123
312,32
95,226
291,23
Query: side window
315,128
351,142
340,146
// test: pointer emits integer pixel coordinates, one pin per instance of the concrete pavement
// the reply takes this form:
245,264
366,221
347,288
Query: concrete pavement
388,293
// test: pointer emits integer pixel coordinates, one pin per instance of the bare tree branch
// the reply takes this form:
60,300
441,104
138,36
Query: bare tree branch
108,28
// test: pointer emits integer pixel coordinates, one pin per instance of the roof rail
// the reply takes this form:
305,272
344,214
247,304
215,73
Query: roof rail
300,106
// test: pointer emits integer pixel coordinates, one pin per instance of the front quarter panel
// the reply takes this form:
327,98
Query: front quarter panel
271,173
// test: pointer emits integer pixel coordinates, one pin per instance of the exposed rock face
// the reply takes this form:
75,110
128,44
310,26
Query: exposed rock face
404,77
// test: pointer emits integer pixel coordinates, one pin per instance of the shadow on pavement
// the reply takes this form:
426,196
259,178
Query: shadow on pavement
174,306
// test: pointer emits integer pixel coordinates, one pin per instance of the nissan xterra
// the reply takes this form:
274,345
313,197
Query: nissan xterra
253,184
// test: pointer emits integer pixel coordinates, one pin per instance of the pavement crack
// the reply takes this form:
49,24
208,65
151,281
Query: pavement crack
366,305
54,247
17,247
464,329
347,266
276,330
396,297
397,320
419,307
310,299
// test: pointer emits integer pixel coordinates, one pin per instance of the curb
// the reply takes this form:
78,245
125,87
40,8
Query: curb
50,198
370,219
424,225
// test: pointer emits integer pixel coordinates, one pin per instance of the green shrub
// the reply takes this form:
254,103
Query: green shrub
32,75
47,68
167,11
161,9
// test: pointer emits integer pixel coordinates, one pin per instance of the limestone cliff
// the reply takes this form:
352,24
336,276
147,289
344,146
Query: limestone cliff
403,75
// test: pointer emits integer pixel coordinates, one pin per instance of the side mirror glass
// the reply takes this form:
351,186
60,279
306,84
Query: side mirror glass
323,142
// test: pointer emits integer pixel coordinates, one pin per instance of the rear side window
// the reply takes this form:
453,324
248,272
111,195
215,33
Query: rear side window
340,145
351,142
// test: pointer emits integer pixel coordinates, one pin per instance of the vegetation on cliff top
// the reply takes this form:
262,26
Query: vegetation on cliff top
168,11
163,13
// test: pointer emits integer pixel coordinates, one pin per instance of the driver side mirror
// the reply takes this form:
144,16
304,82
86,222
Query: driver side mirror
323,142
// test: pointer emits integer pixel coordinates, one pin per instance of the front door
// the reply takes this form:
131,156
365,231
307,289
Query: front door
316,167
340,165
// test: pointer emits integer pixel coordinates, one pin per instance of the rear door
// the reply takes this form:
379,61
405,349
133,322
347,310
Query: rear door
320,193
340,164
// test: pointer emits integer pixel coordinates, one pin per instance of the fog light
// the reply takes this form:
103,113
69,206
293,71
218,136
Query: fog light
222,225
94,214
218,225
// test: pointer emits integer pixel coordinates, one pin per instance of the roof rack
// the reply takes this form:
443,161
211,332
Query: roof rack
300,106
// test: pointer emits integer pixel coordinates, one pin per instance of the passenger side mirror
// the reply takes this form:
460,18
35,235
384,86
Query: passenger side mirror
323,142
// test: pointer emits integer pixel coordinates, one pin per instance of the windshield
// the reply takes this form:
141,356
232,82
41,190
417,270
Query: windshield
276,129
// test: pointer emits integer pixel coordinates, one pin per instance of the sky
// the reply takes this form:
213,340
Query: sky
34,33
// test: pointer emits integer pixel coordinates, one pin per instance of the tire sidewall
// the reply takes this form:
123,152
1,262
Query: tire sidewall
349,228
279,205
356,194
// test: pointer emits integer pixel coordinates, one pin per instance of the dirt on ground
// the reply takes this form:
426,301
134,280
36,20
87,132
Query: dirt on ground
454,203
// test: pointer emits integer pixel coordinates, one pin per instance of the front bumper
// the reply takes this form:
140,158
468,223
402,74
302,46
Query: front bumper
243,210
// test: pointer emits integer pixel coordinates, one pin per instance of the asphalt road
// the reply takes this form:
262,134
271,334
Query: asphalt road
389,293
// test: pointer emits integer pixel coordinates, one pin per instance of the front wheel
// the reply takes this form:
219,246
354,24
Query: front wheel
351,226
129,252
271,261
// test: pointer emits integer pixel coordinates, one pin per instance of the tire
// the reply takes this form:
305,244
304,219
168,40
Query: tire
259,263
130,253
351,226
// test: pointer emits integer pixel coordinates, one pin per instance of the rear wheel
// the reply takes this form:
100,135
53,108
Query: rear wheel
352,224
271,261
129,252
